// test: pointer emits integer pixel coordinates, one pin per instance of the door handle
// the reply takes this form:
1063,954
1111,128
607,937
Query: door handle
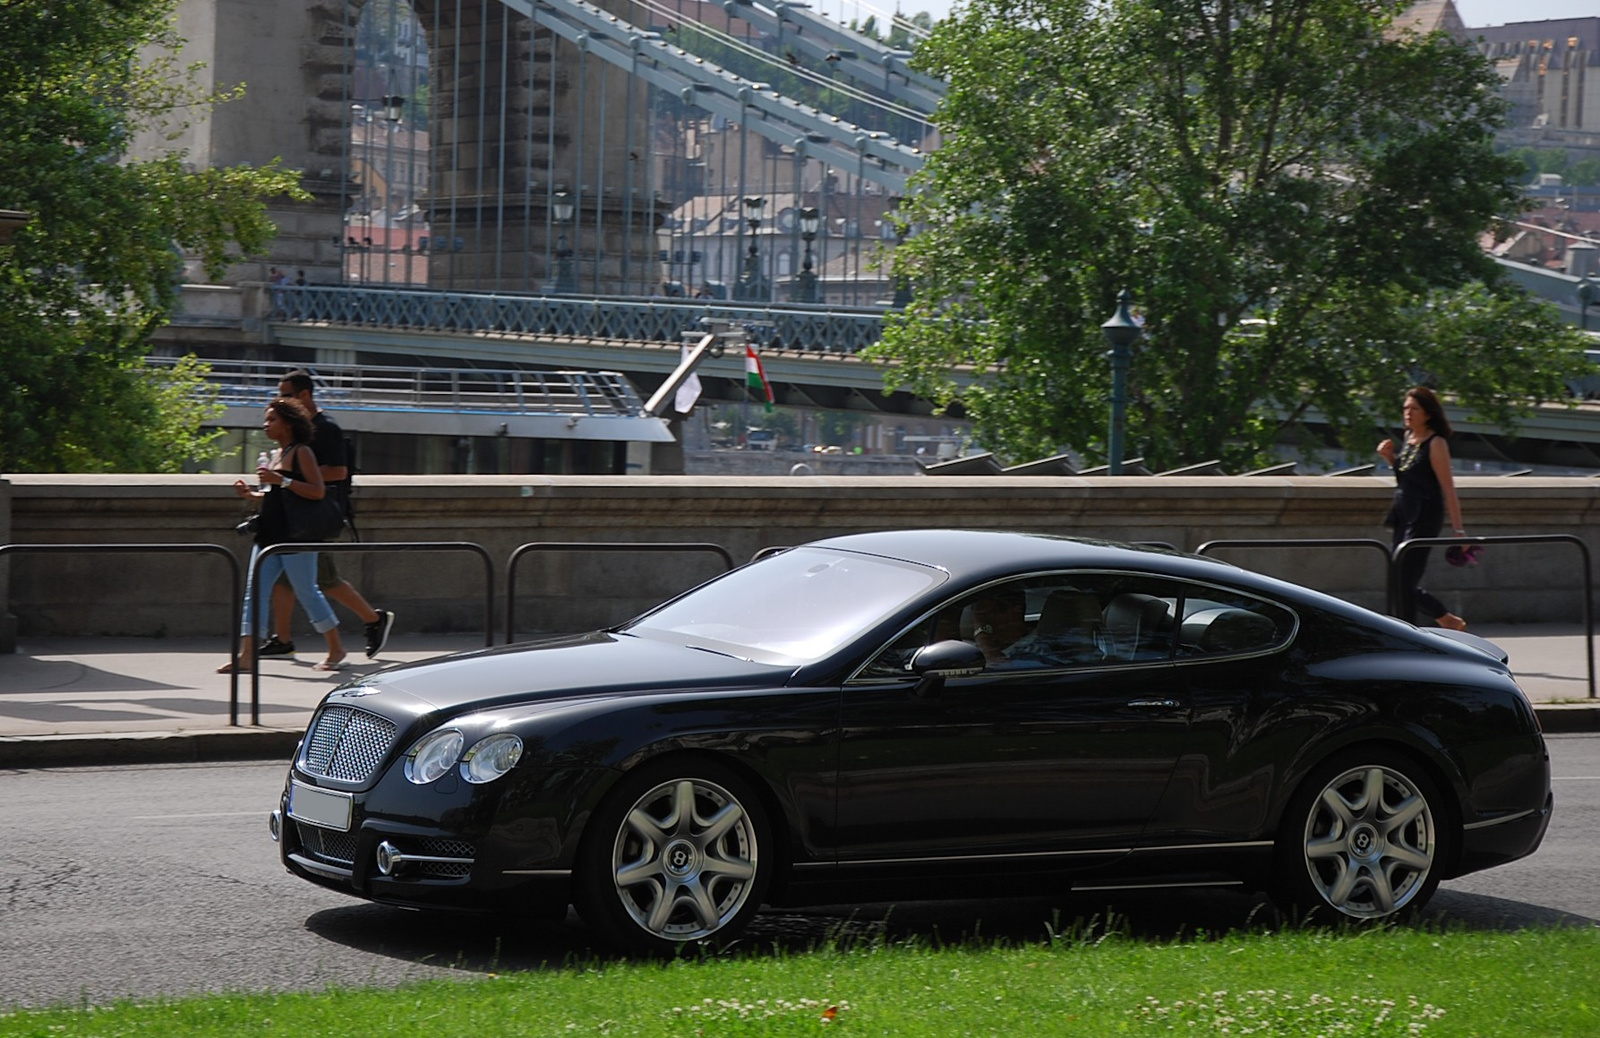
1157,704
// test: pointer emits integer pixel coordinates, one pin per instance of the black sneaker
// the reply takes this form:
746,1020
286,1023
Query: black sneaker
276,648
378,632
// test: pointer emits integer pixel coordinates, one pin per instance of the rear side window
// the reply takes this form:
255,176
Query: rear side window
1220,623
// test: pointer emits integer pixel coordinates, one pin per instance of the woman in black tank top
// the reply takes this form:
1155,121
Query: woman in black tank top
1424,491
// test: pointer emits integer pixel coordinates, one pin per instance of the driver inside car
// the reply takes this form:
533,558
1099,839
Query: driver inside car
1000,629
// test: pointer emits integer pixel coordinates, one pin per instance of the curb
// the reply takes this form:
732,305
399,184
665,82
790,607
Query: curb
1568,718
196,747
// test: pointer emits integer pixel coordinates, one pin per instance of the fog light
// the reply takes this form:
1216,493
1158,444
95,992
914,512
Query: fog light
275,825
389,858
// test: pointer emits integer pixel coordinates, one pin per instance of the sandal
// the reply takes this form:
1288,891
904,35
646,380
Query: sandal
331,665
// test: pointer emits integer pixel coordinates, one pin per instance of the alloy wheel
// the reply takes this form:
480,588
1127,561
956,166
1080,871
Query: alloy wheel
685,859
1370,841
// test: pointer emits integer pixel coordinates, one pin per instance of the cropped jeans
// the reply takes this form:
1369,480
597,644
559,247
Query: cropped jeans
301,569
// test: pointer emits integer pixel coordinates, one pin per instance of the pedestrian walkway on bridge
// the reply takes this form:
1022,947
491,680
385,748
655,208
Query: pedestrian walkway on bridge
85,701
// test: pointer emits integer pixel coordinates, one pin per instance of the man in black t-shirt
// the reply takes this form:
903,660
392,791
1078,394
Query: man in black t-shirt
327,443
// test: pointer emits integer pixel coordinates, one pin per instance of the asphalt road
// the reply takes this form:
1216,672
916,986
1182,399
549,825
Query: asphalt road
161,881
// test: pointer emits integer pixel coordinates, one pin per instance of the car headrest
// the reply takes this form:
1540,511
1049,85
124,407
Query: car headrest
1132,611
1067,613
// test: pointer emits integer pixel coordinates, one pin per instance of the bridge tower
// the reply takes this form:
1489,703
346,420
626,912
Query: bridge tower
515,117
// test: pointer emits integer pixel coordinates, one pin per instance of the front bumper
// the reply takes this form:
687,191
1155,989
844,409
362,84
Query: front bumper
447,845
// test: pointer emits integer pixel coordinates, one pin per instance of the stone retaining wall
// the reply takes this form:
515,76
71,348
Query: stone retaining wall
435,592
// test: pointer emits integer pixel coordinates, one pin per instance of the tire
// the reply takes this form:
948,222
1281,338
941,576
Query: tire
1366,837
679,854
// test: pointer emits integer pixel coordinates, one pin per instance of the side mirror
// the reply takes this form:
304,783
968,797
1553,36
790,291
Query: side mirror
948,659
935,663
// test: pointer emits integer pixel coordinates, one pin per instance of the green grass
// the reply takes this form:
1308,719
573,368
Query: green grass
1303,983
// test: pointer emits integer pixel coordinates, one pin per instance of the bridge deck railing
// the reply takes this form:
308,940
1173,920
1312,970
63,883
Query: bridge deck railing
794,326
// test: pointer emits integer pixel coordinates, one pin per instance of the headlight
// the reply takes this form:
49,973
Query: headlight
491,758
433,755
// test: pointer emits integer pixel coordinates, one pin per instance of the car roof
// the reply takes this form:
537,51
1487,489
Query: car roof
972,557
976,554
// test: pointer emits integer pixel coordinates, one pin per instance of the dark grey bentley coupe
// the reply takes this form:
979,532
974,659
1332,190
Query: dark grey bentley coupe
926,714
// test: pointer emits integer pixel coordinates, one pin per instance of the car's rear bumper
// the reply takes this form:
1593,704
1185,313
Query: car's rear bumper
1500,840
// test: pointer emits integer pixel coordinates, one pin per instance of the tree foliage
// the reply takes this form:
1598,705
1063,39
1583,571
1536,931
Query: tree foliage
96,268
1291,189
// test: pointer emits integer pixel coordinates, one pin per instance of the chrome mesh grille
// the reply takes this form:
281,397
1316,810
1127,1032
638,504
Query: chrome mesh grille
447,849
335,848
348,744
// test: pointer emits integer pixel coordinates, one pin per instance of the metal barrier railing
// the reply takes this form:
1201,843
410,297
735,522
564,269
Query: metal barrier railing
1393,558
1417,543
234,569
1394,555
598,546
1317,542
361,546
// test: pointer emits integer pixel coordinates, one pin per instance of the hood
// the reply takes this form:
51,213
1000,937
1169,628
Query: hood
558,668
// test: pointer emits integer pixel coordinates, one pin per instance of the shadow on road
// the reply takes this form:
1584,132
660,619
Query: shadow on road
483,944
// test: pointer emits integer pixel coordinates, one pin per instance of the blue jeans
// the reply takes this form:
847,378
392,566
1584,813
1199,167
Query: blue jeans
301,569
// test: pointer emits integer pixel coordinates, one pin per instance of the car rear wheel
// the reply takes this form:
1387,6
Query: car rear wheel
679,854
1364,837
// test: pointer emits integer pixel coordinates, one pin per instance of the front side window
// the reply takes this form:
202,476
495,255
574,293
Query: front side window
1093,619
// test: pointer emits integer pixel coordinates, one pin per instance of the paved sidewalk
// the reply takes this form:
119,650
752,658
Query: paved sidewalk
106,700
112,700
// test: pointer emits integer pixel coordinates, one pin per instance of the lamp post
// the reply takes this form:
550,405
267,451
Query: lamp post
393,108
361,146
805,284
1586,292
1121,333
902,284
751,284
561,208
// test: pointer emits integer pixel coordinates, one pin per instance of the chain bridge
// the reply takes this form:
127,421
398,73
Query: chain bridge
558,184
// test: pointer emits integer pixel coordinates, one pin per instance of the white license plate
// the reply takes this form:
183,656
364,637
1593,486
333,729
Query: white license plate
320,807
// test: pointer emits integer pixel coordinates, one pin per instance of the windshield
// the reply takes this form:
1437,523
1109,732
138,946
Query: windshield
791,608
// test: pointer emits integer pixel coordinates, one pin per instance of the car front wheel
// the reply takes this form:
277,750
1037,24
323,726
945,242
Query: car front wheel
678,854
1363,837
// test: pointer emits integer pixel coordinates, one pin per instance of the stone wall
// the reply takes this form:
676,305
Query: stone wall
94,594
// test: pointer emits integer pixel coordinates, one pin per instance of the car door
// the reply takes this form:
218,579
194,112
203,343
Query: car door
1061,751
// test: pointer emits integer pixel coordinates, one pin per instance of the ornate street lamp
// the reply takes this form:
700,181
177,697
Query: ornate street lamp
1121,333
805,283
394,107
562,209
751,283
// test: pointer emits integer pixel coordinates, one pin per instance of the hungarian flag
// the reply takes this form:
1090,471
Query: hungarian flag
755,376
